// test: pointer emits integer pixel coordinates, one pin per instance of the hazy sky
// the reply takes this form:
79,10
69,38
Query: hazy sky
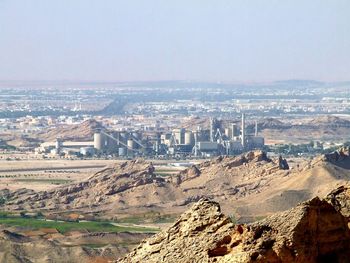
163,40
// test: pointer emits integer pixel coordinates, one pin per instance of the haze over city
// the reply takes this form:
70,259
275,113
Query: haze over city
239,41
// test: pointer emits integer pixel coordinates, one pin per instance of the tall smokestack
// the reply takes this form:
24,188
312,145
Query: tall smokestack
256,128
243,130
212,129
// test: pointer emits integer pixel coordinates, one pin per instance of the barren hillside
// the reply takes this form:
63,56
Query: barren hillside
17,248
248,186
83,131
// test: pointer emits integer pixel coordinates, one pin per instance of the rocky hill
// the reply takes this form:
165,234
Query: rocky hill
329,121
314,231
128,186
134,186
324,128
306,180
83,131
253,184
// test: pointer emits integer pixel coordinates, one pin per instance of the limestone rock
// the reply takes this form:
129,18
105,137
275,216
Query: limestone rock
340,199
311,232
196,232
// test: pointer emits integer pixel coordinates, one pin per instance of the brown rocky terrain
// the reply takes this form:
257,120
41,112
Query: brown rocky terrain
16,248
314,231
248,186
83,131
78,132
133,185
329,121
340,199
21,247
306,180
324,128
129,185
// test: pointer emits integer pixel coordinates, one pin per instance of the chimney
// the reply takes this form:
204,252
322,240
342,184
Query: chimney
243,130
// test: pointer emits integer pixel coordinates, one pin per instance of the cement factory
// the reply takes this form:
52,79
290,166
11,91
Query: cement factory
217,140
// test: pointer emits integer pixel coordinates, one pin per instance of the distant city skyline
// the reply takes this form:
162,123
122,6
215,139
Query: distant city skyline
228,41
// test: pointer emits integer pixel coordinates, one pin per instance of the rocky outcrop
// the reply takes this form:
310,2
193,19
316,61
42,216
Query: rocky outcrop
102,188
191,237
340,200
231,162
282,163
220,164
337,156
188,174
311,232
314,231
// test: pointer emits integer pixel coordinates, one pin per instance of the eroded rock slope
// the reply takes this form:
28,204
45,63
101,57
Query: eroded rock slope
314,231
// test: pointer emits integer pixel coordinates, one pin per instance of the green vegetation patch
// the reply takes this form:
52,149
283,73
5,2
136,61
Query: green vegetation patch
50,181
151,217
4,214
63,227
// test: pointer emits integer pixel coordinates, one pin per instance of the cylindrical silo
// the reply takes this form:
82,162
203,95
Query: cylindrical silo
189,139
58,144
122,151
234,130
98,141
131,144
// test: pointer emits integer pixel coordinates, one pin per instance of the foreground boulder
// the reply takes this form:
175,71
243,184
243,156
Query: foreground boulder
314,231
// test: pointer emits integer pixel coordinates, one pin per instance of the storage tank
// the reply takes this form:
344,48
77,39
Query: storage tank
189,138
98,141
122,151
234,130
58,144
131,144
179,135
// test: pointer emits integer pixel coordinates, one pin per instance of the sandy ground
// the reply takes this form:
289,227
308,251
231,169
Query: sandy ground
46,174
42,175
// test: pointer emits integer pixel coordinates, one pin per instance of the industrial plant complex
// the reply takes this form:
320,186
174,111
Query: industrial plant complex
219,139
